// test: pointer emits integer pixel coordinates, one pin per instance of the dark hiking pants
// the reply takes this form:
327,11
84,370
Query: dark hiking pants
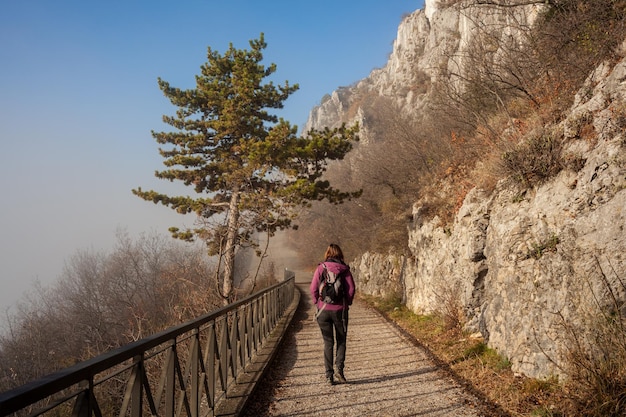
334,327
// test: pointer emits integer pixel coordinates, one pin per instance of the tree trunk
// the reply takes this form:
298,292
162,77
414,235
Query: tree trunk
231,242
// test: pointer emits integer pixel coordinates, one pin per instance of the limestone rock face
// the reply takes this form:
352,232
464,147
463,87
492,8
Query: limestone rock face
526,266
522,265
425,42
391,81
381,275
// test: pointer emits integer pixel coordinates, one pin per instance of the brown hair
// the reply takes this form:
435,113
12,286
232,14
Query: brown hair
334,251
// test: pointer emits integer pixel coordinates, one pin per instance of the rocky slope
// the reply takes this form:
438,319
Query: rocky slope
527,268
427,41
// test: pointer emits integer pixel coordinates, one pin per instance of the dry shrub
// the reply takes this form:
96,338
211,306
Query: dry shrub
390,231
595,355
437,203
573,37
450,309
485,172
535,160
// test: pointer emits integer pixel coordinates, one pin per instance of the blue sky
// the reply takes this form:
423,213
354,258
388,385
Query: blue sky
79,97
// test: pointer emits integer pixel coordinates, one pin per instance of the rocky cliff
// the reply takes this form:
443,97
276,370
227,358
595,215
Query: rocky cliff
427,41
525,266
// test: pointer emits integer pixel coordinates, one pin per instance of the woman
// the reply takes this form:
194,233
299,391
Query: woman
332,312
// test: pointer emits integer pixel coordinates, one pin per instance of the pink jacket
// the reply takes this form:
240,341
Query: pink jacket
348,282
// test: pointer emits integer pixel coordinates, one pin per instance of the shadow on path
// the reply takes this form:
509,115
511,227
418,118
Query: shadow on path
388,374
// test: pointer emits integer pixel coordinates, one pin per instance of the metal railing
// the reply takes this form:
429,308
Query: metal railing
183,371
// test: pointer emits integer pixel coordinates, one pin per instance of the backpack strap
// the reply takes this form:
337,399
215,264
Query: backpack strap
322,280
320,285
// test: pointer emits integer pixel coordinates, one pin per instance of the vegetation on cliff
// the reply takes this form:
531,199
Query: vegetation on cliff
493,118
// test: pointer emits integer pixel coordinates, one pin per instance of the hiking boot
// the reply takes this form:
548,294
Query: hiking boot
340,378
330,380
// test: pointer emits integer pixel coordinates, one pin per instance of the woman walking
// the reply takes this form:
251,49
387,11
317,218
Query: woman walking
332,291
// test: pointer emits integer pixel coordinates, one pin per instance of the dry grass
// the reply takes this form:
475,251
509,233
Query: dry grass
513,137
595,350
535,160
471,360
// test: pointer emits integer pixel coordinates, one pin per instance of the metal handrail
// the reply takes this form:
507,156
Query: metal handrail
183,370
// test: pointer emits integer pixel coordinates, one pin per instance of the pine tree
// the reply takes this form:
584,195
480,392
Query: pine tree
249,169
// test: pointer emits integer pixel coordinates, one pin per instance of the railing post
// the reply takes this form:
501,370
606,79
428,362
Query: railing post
195,373
255,324
243,337
223,354
170,380
82,406
210,364
234,327
266,323
132,397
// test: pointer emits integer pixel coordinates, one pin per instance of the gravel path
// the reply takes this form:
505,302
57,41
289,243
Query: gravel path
387,374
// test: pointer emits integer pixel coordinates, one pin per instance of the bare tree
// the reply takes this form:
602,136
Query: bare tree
104,301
